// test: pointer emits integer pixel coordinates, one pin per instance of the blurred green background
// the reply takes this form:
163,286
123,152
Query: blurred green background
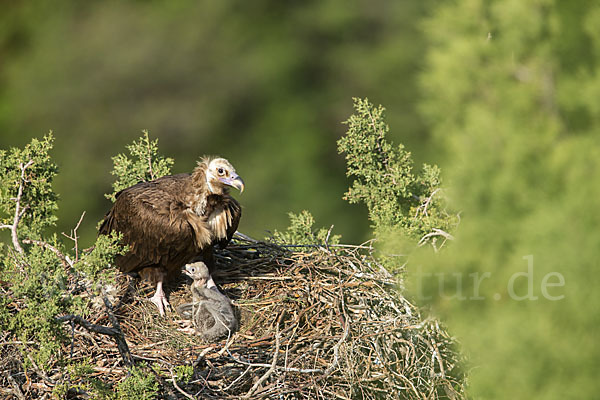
265,84
503,94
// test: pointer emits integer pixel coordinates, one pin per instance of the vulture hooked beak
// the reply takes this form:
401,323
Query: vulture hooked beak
234,181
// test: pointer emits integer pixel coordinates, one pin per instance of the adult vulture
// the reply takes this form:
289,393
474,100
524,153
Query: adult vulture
174,220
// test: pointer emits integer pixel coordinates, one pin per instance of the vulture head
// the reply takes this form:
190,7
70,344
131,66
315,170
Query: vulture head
219,174
198,272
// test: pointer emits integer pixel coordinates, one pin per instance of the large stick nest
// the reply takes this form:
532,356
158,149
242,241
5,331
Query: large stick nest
325,323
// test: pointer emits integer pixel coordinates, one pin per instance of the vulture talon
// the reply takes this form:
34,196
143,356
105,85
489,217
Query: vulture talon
187,330
161,303
160,298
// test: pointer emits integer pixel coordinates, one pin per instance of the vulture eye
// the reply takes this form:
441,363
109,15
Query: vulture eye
221,171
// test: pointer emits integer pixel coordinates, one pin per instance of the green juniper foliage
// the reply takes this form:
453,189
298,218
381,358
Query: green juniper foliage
27,174
397,199
36,271
512,94
34,275
143,164
45,279
37,288
184,373
94,264
141,384
42,279
301,232
395,196
83,378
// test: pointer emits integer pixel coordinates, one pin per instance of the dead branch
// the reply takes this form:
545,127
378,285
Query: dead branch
64,259
101,329
434,233
271,369
119,337
115,332
423,207
74,237
19,210
16,388
149,157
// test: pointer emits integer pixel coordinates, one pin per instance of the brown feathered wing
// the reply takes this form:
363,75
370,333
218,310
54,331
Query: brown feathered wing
157,225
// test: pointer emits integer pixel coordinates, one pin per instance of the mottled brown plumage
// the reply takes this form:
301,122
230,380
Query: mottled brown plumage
175,219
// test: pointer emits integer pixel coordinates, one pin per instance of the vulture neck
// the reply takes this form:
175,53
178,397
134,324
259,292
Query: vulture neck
201,189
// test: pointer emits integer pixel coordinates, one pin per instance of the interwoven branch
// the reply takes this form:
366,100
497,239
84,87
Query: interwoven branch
315,323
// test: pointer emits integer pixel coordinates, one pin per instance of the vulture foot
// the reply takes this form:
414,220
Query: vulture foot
160,300
188,330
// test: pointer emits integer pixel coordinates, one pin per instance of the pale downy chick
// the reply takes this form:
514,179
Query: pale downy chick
210,311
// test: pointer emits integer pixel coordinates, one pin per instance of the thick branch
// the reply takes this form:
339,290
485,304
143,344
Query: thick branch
101,329
336,351
115,332
64,259
120,338
18,211
336,348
